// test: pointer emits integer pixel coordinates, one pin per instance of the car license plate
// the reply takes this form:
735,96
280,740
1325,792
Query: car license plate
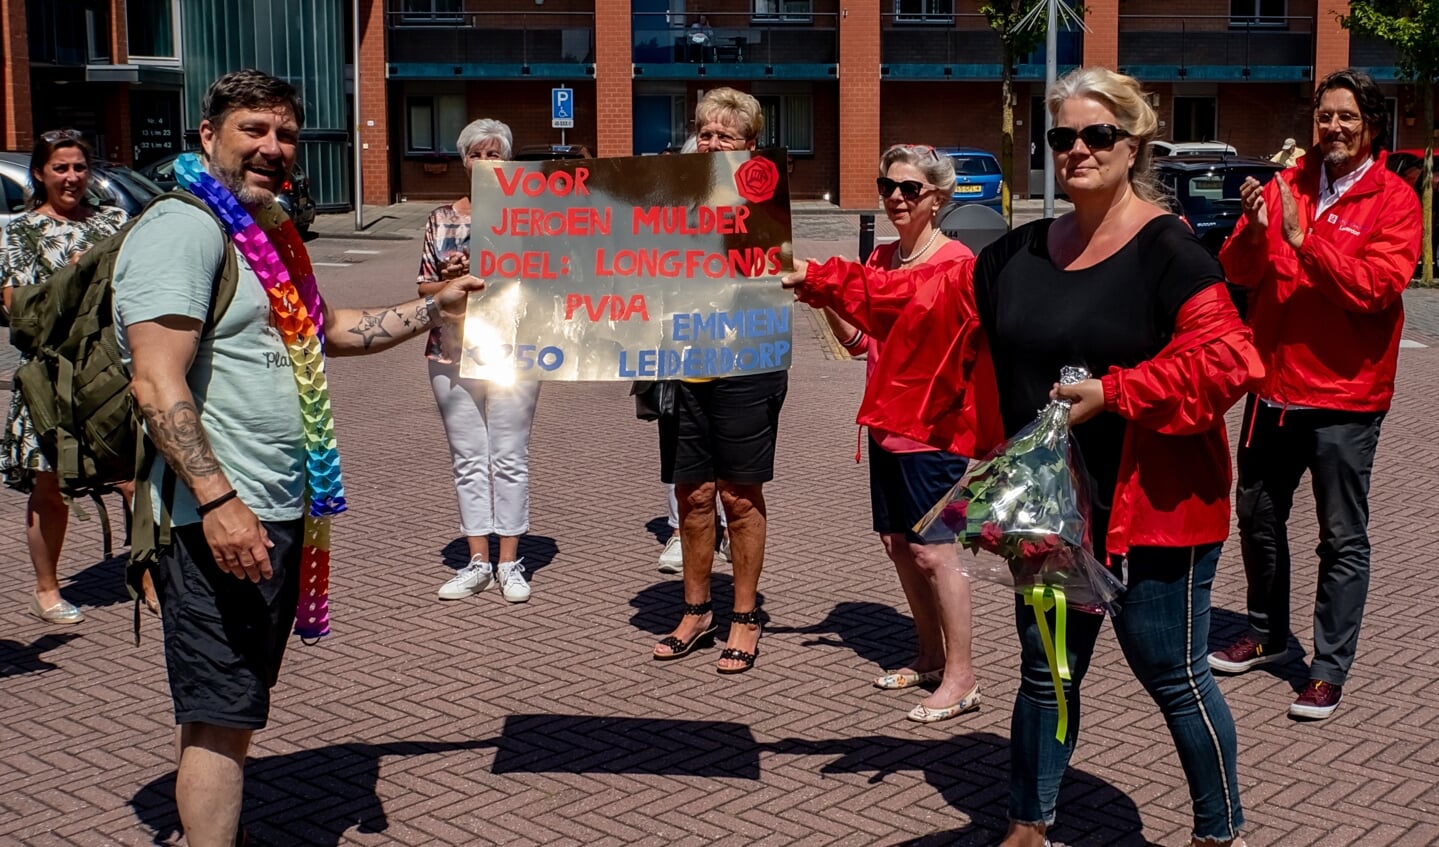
969,189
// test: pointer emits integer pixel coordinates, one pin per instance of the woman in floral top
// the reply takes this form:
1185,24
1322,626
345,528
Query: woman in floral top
59,227
487,423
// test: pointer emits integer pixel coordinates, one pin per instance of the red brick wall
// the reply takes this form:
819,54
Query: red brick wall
117,123
1331,41
935,113
1256,118
16,128
119,33
859,100
375,160
614,80
1101,43
818,174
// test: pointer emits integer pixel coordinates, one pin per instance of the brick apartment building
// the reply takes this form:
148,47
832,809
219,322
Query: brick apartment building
919,71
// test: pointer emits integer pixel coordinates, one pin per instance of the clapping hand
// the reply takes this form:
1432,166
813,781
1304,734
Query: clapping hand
1289,211
1251,197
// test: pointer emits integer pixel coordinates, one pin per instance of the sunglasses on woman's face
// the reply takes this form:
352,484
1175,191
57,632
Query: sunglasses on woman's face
1096,137
910,189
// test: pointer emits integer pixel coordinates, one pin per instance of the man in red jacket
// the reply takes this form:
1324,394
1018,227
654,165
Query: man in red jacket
1327,248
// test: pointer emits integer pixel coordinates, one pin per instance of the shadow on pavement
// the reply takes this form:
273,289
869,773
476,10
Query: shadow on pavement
536,550
17,658
310,797
101,584
1225,627
969,771
875,632
659,607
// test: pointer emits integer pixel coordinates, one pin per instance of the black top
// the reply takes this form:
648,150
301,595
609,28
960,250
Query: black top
1120,312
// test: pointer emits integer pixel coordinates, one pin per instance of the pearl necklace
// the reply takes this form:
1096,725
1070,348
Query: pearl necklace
904,260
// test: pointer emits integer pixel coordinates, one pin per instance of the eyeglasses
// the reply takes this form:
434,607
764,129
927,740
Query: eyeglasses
1096,137
1347,119
910,189
55,136
721,137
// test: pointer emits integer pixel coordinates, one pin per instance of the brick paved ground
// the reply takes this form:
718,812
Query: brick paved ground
482,723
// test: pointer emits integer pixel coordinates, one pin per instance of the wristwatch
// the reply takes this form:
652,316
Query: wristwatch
432,308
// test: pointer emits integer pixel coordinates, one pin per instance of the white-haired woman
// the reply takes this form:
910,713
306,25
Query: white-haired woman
487,424
907,477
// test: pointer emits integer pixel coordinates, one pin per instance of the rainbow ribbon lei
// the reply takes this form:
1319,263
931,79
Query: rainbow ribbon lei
276,253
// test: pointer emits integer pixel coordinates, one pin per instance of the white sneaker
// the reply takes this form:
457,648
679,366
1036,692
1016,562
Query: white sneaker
471,579
672,558
722,554
512,581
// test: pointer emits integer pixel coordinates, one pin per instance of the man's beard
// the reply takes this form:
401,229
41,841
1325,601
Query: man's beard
234,180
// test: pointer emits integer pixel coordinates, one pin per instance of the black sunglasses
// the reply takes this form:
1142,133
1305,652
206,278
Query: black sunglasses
1096,137
910,189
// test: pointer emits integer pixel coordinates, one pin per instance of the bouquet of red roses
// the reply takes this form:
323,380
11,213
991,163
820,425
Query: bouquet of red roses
1025,505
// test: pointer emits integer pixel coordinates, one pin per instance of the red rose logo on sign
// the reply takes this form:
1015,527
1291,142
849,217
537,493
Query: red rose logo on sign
756,180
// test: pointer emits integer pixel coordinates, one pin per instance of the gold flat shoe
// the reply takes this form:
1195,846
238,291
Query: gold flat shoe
63,613
895,681
967,703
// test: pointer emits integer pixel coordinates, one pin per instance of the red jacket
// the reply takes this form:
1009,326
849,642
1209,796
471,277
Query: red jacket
1327,318
936,384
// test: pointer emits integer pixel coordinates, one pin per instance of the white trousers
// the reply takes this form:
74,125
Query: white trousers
488,426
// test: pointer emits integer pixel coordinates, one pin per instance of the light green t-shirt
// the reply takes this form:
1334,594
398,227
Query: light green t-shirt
241,377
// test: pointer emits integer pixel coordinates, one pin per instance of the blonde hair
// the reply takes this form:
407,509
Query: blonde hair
937,168
729,106
1125,97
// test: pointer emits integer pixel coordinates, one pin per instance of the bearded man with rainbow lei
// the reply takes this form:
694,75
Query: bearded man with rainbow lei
239,413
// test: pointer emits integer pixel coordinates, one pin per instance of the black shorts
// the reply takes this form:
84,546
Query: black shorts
225,636
903,487
723,429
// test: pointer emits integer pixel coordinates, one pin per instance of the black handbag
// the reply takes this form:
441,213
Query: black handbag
653,400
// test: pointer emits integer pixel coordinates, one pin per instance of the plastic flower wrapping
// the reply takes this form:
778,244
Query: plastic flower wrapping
1024,514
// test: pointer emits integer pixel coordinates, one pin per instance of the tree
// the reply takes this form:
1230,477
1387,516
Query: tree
1018,38
1411,27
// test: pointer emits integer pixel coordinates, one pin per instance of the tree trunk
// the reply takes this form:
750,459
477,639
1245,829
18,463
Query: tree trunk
1426,96
1006,138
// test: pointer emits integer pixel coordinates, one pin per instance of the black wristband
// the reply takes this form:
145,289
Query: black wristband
206,508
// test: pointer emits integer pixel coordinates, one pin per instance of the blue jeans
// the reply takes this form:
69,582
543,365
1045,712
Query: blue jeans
1162,624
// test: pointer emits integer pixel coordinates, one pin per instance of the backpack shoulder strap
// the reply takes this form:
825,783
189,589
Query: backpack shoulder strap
227,281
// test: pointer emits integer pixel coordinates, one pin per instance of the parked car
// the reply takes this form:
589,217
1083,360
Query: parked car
977,178
1207,191
1410,165
294,196
547,152
110,185
1167,149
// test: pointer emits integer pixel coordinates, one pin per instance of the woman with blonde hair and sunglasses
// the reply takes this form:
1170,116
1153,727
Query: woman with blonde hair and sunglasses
60,225
907,477
974,348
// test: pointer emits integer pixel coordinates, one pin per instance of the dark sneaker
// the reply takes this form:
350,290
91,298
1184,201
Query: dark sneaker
1242,655
1317,701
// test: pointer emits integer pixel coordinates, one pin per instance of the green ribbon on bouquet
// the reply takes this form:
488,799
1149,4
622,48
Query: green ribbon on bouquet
1042,598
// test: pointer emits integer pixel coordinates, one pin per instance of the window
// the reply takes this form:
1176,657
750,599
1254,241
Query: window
150,26
924,11
1195,119
797,11
434,123
1256,12
431,11
97,37
788,122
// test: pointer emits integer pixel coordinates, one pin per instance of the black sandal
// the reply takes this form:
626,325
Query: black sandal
750,617
679,649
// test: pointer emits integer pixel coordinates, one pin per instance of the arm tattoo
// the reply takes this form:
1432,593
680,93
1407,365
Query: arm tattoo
370,327
181,440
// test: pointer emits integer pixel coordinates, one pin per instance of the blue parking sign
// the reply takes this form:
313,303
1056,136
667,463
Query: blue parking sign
562,108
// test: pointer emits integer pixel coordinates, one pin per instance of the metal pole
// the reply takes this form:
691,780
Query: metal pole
866,236
1051,72
355,107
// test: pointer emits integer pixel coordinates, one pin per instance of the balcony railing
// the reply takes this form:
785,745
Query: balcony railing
959,41
734,38
1216,47
523,39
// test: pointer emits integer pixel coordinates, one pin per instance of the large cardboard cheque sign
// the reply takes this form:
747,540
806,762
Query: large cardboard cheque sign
653,267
